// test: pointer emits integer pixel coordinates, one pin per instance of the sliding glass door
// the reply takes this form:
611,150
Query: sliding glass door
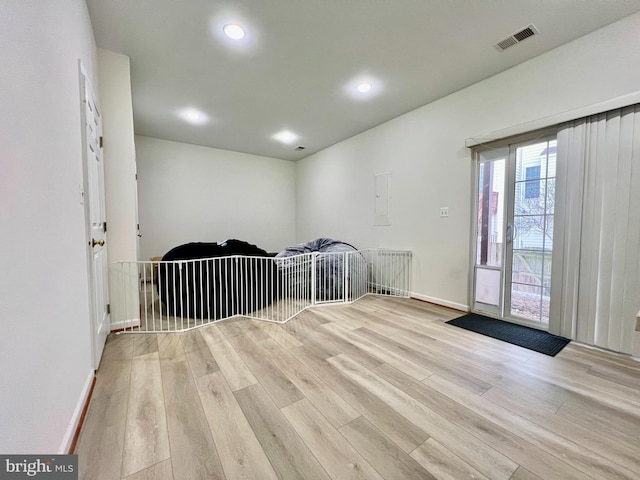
514,204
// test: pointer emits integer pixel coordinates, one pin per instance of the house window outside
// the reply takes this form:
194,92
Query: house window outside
532,188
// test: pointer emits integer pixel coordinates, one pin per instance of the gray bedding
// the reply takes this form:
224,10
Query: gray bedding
332,259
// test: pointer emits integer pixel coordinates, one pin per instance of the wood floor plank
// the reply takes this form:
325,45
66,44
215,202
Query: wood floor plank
281,336
337,411
230,363
621,450
453,339
559,365
334,345
446,344
289,456
254,330
240,452
119,347
627,377
192,340
387,352
579,381
201,362
477,453
610,423
334,453
523,474
231,327
145,343
596,357
595,389
458,362
211,334
170,347
558,380
442,463
304,323
383,454
414,340
193,452
403,432
379,322
590,463
437,330
454,335
302,329
385,313
503,440
159,471
489,346
146,438
279,387
448,364
338,314
437,312
544,394
101,440
575,416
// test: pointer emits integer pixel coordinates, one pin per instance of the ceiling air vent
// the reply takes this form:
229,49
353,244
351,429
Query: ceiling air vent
528,31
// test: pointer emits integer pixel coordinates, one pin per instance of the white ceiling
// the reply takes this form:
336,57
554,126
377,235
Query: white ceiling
300,56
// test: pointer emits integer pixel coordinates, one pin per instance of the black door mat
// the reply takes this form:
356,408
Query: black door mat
526,337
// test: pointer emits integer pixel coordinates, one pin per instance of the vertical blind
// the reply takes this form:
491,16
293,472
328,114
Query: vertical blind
596,275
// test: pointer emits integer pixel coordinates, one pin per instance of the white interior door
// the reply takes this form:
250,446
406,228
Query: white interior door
96,219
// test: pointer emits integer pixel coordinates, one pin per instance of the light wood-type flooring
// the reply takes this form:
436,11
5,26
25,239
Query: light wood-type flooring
379,389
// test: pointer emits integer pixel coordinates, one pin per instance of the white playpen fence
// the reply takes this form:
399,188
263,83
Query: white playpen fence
174,296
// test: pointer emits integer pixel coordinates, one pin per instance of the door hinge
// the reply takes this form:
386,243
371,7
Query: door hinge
101,141
108,308
104,227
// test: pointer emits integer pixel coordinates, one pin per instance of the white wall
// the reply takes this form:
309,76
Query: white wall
120,177
189,193
45,346
119,154
431,167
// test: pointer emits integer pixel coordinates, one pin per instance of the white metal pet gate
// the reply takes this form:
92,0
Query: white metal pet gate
179,295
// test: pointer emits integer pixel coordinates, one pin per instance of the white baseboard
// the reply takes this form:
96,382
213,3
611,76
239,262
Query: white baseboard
75,418
128,323
440,301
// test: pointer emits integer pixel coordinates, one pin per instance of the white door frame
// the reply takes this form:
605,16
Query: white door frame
490,152
497,311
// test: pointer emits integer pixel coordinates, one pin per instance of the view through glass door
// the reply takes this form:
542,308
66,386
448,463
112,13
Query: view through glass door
514,232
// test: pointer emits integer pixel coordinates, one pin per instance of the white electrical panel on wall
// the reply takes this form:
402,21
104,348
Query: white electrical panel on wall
382,199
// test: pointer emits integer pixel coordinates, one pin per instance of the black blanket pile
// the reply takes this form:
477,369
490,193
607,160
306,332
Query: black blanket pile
198,284
218,280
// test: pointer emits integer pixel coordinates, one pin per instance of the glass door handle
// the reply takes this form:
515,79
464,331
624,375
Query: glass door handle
509,235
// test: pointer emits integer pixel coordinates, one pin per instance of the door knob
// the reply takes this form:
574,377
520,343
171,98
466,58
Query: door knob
95,242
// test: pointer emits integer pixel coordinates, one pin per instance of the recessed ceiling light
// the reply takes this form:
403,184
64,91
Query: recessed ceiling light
193,116
285,136
363,87
233,31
